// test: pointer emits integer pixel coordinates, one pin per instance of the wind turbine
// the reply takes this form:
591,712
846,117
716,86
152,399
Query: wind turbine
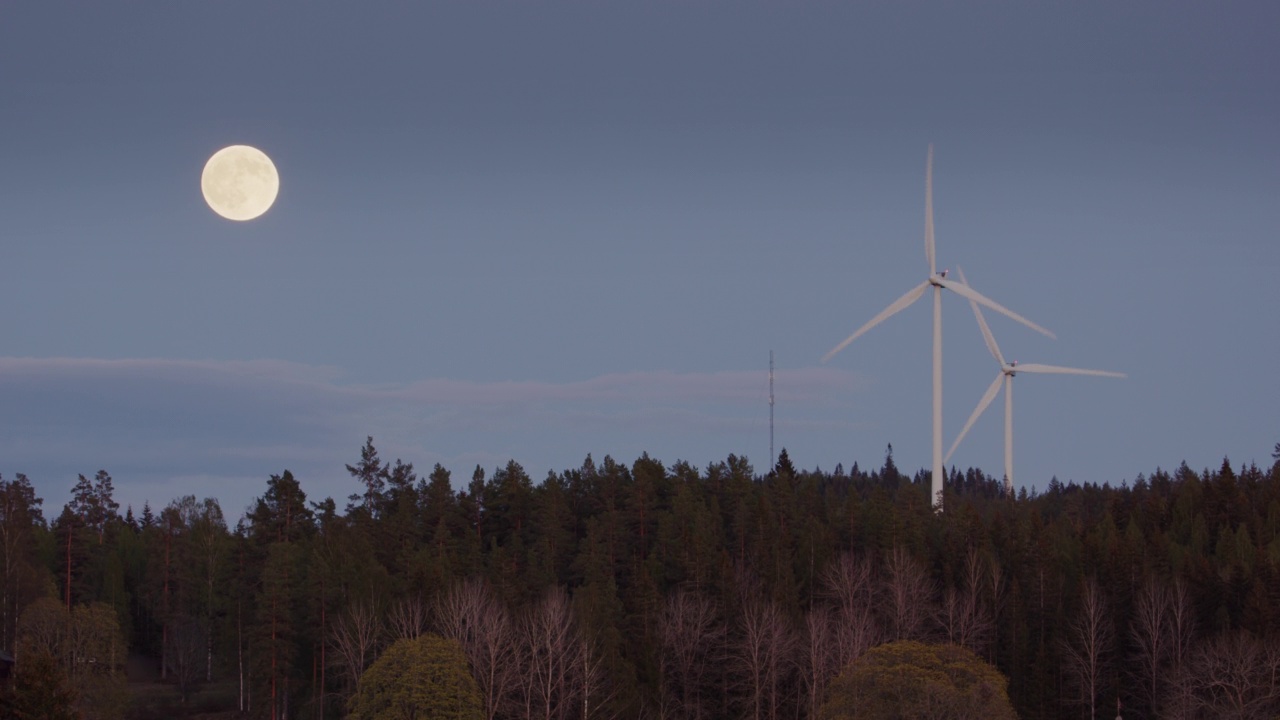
936,280
1007,371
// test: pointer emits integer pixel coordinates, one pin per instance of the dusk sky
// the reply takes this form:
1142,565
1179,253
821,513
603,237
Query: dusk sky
539,230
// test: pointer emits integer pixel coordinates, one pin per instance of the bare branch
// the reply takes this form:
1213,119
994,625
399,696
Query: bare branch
354,636
1151,632
965,617
821,656
470,614
764,654
552,649
1236,676
909,591
407,618
1087,649
849,582
691,635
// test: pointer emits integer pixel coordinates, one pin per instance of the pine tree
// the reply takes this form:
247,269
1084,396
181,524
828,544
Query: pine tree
20,518
372,474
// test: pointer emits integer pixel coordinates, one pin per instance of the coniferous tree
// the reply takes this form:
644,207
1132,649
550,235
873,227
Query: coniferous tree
372,473
20,519
622,540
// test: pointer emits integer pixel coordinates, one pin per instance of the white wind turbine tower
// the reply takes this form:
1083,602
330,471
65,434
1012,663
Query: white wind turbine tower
1007,371
936,280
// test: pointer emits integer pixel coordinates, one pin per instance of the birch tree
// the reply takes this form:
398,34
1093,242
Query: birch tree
909,592
1151,633
1236,677
551,650
965,616
469,613
354,637
849,582
691,636
407,618
764,655
1087,650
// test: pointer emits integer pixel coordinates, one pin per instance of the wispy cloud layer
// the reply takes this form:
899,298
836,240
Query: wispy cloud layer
170,427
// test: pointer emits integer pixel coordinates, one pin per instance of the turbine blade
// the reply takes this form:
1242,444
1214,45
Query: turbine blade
983,404
929,251
902,302
974,295
982,323
1059,370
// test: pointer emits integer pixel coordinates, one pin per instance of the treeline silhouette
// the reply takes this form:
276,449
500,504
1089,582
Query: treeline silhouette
653,591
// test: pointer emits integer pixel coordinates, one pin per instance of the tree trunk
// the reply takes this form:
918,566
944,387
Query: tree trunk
240,650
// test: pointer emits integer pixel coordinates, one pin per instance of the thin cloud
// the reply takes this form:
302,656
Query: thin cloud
805,385
183,424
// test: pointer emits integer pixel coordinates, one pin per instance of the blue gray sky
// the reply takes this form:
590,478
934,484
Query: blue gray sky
545,229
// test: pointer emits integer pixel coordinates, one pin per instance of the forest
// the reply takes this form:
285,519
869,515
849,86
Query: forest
653,591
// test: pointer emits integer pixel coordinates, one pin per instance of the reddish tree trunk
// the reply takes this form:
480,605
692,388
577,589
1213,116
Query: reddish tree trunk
273,658
164,622
323,642
69,569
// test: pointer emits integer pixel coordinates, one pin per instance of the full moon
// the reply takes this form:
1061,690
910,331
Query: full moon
239,182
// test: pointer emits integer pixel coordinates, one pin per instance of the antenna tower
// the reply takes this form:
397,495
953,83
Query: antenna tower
772,461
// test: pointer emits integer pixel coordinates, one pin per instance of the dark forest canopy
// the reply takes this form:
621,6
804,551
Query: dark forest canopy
647,590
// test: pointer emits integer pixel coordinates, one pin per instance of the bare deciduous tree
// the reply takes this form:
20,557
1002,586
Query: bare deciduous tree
1087,650
849,580
1152,635
470,614
593,693
909,592
1183,618
408,618
820,653
1236,677
355,638
1177,700
996,582
964,615
691,635
552,655
186,653
764,655
850,583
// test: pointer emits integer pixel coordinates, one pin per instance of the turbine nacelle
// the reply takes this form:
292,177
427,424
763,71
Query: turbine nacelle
937,278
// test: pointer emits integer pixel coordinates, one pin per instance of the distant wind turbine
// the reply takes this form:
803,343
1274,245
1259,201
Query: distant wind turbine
937,280
1007,371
